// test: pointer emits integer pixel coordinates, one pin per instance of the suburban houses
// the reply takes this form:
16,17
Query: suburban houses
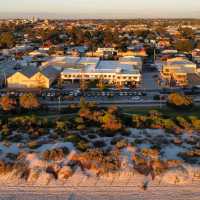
116,53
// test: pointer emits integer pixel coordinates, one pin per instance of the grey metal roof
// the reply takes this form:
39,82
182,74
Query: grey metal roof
29,71
50,72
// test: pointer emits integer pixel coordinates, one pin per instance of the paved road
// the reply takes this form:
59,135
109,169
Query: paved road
120,103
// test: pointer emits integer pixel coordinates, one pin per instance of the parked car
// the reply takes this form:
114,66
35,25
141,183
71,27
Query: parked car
136,98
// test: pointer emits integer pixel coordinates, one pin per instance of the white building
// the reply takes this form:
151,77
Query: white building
112,72
132,60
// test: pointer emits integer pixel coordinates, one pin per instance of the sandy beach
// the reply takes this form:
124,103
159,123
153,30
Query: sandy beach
191,192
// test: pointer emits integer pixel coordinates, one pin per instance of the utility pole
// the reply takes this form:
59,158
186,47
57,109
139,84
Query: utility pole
82,81
59,104
154,53
5,78
160,97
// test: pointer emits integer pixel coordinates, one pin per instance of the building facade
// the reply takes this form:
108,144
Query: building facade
32,78
175,71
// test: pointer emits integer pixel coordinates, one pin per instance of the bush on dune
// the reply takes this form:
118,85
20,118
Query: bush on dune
55,154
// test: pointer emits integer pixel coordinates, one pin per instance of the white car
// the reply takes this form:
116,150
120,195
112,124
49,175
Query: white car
136,98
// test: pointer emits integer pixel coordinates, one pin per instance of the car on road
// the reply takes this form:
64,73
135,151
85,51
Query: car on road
136,98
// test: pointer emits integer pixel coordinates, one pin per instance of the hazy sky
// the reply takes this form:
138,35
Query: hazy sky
101,8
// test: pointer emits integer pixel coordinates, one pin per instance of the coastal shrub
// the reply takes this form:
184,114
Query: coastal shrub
55,154
72,138
100,161
82,145
61,126
92,136
169,124
64,173
34,144
5,131
111,123
122,143
21,170
195,123
138,121
115,140
81,127
99,143
5,167
190,156
182,122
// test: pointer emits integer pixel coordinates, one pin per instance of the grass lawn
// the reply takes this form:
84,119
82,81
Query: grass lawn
170,112
42,114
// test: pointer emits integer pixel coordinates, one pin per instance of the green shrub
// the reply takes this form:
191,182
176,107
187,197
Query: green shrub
82,145
122,143
72,138
34,144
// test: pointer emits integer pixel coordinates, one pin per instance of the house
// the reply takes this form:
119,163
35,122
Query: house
176,70
33,78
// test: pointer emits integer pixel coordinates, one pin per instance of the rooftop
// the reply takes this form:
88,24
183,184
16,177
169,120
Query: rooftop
105,67
179,61
130,59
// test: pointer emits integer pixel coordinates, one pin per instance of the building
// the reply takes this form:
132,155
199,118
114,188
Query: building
175,71
112,72
103,52
196,56
132,60
32,77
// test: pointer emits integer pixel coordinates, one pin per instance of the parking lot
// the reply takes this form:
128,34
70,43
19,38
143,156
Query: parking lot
149,81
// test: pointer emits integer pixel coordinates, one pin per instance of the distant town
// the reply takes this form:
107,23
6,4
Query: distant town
79,55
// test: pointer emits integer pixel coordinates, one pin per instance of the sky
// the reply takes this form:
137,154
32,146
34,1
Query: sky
101,8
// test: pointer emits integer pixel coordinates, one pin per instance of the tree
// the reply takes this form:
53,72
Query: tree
186,32
7,103
83,103
110,122
101,85
184,45
179,100
6,40
198,45
29,101
84,85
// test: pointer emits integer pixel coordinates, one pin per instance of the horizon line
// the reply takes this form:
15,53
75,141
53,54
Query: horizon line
84,16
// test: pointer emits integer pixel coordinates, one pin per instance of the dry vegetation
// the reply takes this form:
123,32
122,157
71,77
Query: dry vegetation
97,140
